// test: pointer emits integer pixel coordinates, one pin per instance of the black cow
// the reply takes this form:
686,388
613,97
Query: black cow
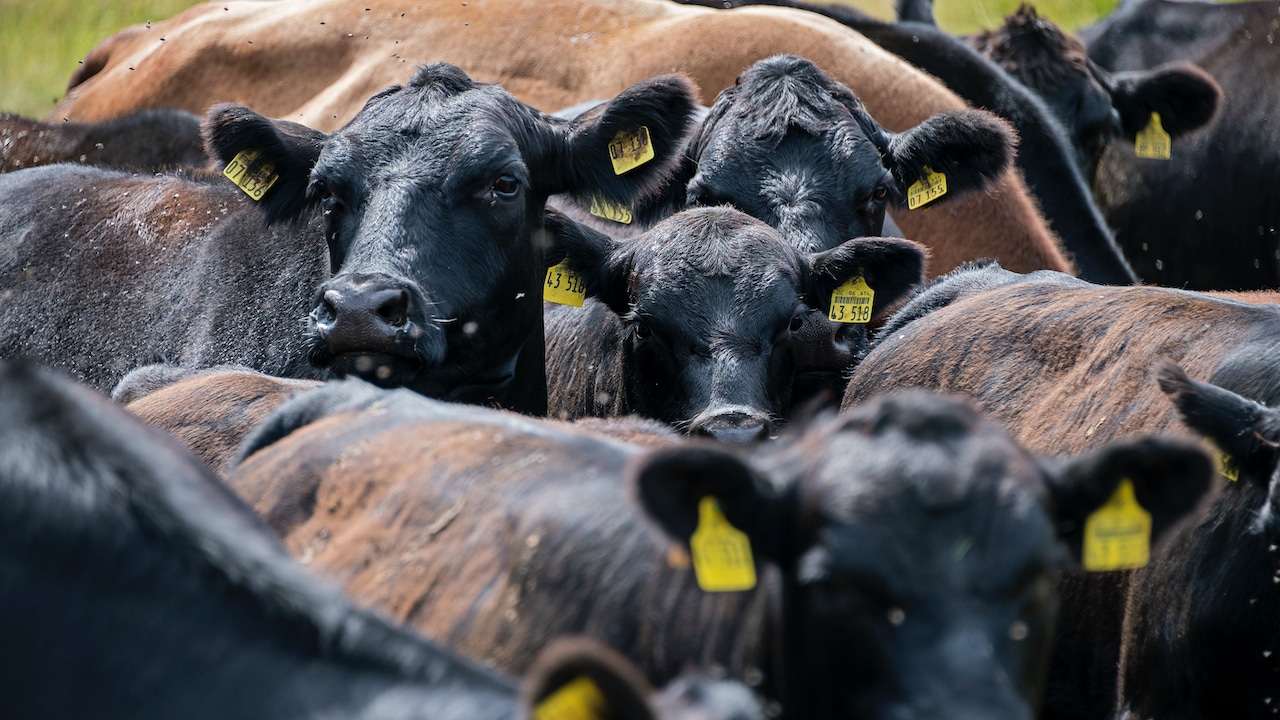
1067,366
1095,105
149,140
1202,627
792,147
697,321
1206,218
904,551
427,208
1045,157
134,585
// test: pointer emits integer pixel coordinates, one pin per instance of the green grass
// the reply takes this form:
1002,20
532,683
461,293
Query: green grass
41,41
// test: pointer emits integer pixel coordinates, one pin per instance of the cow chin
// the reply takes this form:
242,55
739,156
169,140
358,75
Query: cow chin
381,369
384,367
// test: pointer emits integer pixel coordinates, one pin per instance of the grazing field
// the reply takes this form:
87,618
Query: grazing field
42,41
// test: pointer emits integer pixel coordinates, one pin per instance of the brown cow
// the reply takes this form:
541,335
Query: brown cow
211,409
1067,365
492,531
316,63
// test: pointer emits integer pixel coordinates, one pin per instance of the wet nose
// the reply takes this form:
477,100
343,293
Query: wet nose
361,317
733,428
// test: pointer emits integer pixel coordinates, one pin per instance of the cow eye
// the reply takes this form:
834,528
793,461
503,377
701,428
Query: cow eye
506,186
880,193
797,322
641,329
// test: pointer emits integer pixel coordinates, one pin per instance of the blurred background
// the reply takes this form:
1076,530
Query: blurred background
42,41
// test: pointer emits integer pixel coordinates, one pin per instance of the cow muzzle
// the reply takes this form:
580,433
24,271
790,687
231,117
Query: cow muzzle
734,427
375,329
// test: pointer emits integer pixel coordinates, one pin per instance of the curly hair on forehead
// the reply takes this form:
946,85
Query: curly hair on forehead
1034,50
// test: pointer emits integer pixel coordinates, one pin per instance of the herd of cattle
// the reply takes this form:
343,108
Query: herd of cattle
754,448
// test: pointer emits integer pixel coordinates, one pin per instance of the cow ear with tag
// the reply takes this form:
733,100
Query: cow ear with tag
1109,490
1181,94
890,267
626,147
672,484
271,159
578,678
1246,433
949,154
582,262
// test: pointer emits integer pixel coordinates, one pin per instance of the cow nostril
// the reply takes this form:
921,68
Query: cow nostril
394,310
329,303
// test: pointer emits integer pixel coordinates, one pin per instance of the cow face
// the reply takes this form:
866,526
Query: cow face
432,198
794,148
711,300
1247,433
1095,106
918,546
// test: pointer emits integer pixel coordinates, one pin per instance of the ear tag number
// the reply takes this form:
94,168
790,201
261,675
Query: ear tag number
579,700
254,184
851,302
1222,462
563,285
602,208
721,553
927,189
630,149
1117,536
1153,142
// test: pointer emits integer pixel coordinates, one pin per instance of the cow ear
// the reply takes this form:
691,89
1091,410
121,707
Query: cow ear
969,148
892,267
289,148
660,108
671,483
598,259
1169,478
1246,431
579,670
1186,97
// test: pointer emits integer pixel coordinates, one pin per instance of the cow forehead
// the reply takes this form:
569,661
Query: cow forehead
460,128
975,514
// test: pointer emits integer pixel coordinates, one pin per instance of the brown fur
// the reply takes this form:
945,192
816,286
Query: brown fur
1066,368
390,537
280,59
211,414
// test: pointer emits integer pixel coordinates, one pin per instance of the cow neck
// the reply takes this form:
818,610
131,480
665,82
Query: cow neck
489,384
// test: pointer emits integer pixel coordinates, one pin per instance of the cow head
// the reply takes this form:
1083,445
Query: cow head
1246,432
796,149
1094,105
918,546
711,300
432,200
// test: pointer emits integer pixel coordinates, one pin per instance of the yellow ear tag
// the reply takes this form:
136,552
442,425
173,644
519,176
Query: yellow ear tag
630,149
602,208
1153,142
256,184
851,302
721,553
563,285
927,189
1222,462
578,700
1117,536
